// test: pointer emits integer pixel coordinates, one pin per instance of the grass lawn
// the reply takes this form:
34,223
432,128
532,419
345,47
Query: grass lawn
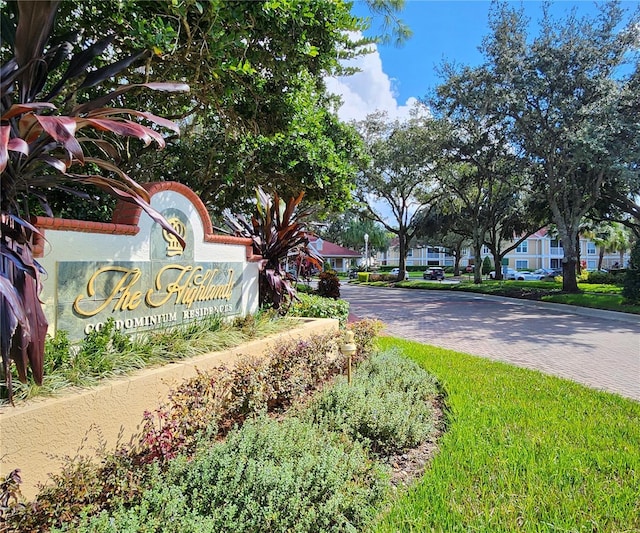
523,452
595,296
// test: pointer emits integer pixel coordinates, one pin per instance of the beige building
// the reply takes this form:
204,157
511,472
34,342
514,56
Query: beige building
540,250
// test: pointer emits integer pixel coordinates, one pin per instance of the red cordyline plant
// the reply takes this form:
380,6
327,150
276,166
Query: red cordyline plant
276,228
42,149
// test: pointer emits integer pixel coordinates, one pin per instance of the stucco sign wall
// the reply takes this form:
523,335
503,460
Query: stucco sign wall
136,273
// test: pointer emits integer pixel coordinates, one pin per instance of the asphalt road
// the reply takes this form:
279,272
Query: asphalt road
600,349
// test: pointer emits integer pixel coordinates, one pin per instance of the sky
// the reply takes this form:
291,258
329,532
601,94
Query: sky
393,78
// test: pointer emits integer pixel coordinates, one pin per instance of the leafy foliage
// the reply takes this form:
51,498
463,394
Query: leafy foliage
567,109
196,413
486,266
108,352
386,407
253,117
349,228
41,145
267,476
403,158
276,229
316,306
329,285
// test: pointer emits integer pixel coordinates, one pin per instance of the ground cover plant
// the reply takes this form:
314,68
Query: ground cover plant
199,412
387,407
303,473
523,452
612,302
267,476
316,306
108,353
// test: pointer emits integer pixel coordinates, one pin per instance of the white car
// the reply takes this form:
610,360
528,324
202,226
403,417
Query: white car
528,276
396,272
516,275
510,274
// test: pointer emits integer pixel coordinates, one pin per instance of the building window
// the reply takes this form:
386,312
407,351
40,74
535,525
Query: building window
522,264
522,248
556,263
556,248
591,248
410,252
485,250
591,264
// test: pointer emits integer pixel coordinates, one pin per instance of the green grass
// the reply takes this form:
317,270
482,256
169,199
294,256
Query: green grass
612,302
523,452
596,296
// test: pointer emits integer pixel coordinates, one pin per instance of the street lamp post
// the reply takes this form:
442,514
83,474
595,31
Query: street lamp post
366,251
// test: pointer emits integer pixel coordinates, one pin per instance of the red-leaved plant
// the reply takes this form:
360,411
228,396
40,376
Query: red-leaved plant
276,229
41,149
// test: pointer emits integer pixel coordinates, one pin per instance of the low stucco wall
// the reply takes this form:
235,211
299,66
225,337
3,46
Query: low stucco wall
37,436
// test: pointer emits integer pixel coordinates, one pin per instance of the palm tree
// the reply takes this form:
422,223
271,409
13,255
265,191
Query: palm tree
620,240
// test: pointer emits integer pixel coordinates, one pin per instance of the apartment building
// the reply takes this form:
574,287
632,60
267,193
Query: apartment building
540,250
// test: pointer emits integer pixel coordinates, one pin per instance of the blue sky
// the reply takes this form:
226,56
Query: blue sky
450,30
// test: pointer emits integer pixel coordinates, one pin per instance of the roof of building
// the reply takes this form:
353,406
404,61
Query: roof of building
330,249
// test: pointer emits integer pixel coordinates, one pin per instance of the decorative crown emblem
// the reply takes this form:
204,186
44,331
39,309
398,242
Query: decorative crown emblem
173,244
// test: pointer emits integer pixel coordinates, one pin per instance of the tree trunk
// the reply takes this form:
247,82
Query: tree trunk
477,242
578,264
402,243
497,264
570,261
456,263
600,257
477,267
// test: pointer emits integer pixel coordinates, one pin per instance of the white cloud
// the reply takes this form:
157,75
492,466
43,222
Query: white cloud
367,91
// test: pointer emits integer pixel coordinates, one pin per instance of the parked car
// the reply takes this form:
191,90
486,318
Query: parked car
528,276
396,272
433,273
353,273
547,273
511,274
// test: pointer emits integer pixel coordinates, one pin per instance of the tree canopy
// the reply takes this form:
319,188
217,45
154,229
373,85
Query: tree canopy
395,188
257,113
566,102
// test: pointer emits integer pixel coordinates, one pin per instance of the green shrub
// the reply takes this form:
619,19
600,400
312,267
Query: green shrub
57,352
310,305
601,278
329,285
267,476
365,333
197,413
363,276
109,352
386,407
304,288
487,266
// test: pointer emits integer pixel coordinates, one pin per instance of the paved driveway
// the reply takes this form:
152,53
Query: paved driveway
596,348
